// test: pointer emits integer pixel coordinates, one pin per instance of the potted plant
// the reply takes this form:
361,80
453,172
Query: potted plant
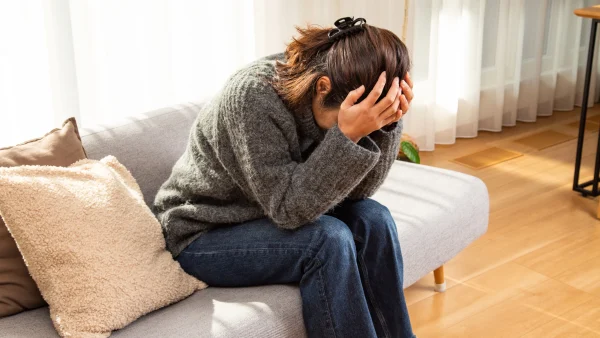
409,150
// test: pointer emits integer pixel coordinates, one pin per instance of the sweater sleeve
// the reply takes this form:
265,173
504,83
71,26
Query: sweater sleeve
291,193
388,141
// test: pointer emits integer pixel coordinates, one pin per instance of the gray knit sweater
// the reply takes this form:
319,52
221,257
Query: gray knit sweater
250,157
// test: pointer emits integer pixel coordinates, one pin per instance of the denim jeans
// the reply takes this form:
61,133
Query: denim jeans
347,263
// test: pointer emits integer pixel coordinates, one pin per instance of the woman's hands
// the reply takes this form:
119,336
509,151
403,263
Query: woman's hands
359,120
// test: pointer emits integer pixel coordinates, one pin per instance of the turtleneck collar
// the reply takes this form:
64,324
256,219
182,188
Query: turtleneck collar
307,125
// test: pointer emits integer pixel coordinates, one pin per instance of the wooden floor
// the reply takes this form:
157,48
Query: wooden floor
536,273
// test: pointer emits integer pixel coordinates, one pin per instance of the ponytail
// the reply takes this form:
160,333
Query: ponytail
305,64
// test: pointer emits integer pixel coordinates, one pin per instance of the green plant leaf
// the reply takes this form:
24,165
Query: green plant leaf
410,152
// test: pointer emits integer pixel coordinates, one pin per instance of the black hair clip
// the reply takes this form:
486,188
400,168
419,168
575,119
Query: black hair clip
345,26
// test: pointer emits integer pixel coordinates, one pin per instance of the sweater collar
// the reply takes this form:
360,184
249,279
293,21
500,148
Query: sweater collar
307,125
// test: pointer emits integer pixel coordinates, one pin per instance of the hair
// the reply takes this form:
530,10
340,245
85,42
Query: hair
354,60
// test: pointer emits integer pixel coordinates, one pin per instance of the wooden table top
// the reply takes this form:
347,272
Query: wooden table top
588,12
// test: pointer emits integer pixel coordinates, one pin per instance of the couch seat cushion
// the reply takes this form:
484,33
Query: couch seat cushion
264,311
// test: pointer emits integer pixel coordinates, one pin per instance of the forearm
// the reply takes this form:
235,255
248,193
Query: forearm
388,142
335,167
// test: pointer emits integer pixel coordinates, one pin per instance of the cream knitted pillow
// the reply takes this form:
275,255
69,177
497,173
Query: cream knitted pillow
93,247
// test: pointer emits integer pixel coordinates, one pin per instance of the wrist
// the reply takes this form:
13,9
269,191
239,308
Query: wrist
349,134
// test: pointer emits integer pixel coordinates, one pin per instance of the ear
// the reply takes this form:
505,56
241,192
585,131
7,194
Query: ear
323,86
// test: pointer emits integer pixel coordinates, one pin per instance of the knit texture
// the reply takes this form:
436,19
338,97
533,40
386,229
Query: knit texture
92,246
250,157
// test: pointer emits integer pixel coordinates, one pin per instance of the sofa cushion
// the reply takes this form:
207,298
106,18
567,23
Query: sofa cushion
60,147
262,312
93,247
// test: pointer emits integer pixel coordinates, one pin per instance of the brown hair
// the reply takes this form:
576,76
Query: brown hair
350,62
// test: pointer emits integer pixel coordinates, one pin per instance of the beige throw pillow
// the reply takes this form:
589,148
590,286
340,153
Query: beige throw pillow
93,247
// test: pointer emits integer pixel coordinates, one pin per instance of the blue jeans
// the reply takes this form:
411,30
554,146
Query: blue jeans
348,265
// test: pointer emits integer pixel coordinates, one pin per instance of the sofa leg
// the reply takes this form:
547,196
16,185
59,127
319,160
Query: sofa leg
440,281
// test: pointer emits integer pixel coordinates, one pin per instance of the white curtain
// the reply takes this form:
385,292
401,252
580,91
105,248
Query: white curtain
477,65
484,65
104,60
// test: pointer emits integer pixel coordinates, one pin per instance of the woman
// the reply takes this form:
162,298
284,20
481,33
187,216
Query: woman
274,184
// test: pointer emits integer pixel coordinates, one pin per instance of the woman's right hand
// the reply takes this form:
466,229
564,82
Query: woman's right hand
359,120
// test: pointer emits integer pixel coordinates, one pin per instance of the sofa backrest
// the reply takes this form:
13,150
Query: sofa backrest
148,145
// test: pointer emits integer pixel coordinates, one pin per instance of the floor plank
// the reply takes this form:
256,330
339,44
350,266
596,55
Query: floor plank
587,315
559,328
571,251
585,276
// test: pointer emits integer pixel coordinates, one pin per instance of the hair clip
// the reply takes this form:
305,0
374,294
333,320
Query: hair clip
344,27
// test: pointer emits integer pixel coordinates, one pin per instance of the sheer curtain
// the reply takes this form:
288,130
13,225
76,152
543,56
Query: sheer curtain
484,65
477,65
104,60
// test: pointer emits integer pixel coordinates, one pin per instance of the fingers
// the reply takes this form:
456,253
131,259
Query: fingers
390,98
352,97
404,104
407,91
394,118
408,80
391,110
370,100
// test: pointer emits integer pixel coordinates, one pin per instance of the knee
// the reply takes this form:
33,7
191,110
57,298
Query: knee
375,220
334,234
373,212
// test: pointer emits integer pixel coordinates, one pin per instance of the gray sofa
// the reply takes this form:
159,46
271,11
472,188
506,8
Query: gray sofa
438,213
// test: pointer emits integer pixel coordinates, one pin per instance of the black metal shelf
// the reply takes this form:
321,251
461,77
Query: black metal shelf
584,106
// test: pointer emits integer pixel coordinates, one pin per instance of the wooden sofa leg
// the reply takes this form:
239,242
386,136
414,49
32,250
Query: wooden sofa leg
440,281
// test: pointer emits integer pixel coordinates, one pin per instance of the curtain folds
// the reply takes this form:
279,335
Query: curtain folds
477,64
484,65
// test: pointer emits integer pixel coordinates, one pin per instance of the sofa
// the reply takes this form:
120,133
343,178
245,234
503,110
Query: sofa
438,213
